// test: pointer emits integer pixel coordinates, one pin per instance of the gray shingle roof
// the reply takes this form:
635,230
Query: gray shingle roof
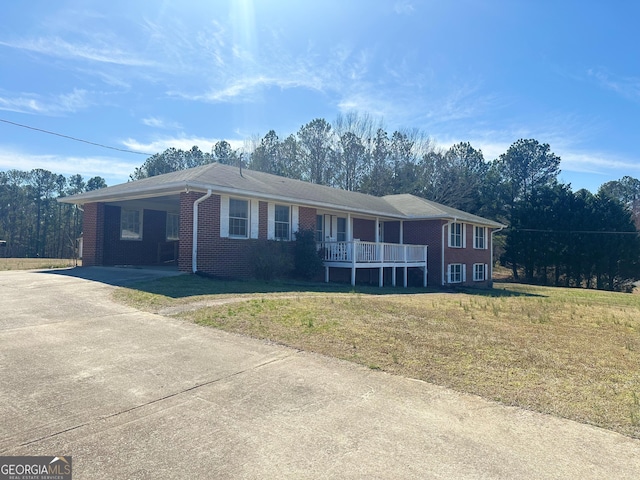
228,179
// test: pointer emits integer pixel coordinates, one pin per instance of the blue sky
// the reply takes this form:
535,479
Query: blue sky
148,75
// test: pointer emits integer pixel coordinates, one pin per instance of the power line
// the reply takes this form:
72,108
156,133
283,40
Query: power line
74,138
571,232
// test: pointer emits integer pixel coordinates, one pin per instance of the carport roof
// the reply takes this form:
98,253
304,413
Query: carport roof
225,179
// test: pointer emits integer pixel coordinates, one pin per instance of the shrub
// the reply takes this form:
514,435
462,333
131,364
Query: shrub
271,259
307,260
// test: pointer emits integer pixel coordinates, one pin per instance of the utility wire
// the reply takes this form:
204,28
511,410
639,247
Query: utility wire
74,138
571,232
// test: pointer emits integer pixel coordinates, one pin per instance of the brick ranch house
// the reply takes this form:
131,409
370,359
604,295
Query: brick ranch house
208,219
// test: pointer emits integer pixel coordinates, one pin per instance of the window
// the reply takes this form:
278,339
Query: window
238,218
341,234
479,270
319,229
173,226
282,219
456,237
480,237
130,224
456,273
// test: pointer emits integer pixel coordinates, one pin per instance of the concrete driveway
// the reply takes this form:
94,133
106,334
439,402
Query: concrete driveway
136,395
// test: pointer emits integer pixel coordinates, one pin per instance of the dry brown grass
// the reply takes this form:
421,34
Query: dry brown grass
36,263
566,352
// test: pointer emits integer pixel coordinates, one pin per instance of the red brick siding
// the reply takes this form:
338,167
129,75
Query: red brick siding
365,230
307,218
92,234
469,255
429,232
263,220
186,229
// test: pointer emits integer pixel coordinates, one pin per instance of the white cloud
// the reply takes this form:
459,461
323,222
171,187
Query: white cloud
115,170
58,47
156,122
52,105
627,87
404,7
159,145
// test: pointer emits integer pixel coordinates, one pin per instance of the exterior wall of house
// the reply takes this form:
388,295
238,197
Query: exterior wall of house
364,230
92,234
469,256
220,256
429,232
263,228
307,218
133,252
392,232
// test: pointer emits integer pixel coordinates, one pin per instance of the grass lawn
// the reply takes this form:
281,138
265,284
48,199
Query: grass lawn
567,352
36,263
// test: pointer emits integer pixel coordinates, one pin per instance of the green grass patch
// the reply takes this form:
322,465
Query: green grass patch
567,352
36,263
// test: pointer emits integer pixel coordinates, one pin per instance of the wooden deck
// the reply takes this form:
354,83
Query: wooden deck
357,254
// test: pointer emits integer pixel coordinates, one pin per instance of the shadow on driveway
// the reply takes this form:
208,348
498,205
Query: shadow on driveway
117,276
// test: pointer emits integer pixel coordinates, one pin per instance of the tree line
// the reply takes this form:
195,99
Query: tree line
32,223
554,235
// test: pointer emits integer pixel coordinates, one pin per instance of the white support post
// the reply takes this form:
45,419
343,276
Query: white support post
381,277
393,276
406,277
326,274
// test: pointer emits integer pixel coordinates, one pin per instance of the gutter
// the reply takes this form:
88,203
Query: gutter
194,248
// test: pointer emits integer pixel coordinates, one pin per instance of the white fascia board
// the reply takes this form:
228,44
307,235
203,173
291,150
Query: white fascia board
293,201
149,192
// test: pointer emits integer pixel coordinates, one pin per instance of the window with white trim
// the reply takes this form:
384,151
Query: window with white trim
341,233
238,218
282,222
456,235
479,272
173,226
456,273
480,237
319,228
130,224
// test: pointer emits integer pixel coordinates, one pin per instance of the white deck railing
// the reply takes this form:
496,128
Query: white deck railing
372,252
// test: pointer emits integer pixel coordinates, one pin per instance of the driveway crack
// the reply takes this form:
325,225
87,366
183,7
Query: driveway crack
160,399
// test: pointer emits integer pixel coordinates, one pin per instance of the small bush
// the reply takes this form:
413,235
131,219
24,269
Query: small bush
307,261
270,260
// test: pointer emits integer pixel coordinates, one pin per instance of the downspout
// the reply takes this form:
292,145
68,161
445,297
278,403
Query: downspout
194,248
491,264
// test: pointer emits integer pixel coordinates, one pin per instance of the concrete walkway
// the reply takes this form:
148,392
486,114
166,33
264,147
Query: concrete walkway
133,395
